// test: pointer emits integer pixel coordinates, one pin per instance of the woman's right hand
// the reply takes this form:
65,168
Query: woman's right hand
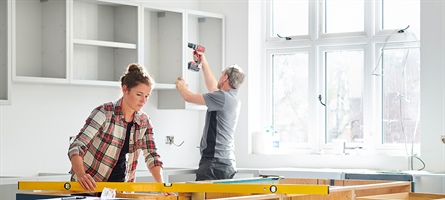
87,182
85,179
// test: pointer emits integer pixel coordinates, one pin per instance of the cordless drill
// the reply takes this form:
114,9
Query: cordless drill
194,65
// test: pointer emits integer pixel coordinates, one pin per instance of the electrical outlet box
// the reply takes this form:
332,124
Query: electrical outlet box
169,139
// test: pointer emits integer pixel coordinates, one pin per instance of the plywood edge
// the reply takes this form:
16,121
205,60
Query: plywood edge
403,196
369,186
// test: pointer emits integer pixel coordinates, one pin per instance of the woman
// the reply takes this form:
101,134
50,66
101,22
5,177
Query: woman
108,145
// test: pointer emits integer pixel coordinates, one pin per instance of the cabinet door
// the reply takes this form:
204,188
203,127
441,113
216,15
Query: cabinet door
40,41
104,41
5,49
205,29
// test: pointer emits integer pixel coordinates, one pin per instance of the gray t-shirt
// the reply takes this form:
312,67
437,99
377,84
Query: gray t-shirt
223,108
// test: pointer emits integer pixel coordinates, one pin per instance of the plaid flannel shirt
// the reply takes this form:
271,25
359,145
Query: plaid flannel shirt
101,139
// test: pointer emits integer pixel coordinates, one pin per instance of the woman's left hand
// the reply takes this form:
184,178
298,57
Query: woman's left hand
169,193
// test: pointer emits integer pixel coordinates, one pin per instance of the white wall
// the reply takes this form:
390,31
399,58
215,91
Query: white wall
433,89
432,85
35,128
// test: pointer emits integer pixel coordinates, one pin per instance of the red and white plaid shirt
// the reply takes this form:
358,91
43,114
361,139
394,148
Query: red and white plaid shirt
101,139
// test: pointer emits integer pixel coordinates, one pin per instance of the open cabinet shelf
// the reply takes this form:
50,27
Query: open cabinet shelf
205,29
104,41
163,43
40,41
91,42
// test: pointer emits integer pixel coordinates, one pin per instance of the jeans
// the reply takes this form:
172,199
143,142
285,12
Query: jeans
215,169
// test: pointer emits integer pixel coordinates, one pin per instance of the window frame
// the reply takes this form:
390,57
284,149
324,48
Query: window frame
269,22
321,25
322,69
371,40
299,147
379,145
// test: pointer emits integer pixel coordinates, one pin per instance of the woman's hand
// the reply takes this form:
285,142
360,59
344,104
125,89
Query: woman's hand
156,172
169,193
87,182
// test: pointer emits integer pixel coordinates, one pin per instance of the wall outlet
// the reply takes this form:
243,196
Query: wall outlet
169,139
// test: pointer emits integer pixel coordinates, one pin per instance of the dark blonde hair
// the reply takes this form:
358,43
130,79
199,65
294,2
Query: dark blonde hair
136,74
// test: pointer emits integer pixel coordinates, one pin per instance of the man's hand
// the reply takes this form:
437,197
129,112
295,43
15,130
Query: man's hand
199,56
181,84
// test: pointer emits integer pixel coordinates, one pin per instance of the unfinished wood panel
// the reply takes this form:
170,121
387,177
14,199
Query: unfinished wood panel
356,182
405,196
301,181
328,181
324,182
343,195
146,196
224,195
180,196
257,197
355,190
374,189
383,190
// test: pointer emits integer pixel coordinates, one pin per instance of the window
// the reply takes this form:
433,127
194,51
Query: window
401,95
290,89
344,95
343,69
340,12
298,17
395,15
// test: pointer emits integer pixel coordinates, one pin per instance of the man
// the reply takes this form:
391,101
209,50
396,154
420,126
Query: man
223,107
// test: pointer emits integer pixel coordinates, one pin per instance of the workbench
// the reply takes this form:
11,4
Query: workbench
297,189
421,178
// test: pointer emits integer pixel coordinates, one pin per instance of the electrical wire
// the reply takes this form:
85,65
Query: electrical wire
178,145
381,55
403,96
423,163
403,88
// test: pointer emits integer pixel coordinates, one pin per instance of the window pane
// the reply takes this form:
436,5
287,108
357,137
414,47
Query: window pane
344,107
401,96
344,16
289,96
398,14
289,17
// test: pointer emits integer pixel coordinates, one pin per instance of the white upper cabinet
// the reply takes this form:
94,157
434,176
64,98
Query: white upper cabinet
91,42
40,31
163,43
205,29
5,50
104,40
